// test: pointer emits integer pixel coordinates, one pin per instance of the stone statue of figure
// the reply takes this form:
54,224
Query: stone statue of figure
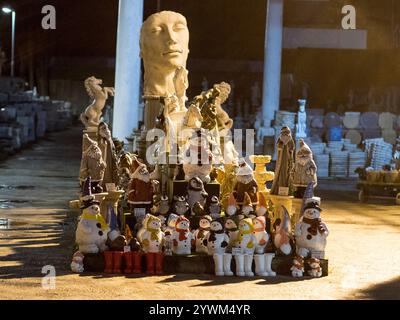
284,163
301,126
255,95
223,119
164,48
107,148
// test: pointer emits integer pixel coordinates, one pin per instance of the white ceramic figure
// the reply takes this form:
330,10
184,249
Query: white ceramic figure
152,238
262,261
91,117
232,207
311,233
301,126
197,158
77,262
201,233
92,230
217,241
182,238
315,268
298,267
196,192
245,246
215,208
283,233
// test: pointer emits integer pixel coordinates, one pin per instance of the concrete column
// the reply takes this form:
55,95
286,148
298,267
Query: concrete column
128,68
272,60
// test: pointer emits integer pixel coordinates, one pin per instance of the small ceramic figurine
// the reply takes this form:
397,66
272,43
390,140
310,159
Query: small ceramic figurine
232,207
263,261
305,170
152,240
262,207
197,158
245,245
116,241
92,164
311,233
285,154
133,258
301,126
298,267
217,241
171,222
232,229
92,230
245,183
181,206
283,233
140,190
182,238
162,208
247,207
197,210
215,208
201,233
91,116
315,268
196,192
77,262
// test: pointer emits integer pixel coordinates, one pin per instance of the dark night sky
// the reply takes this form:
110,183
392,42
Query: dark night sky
88,27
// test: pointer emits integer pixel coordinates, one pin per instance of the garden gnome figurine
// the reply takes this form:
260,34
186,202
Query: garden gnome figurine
282,233
92,164
232,206
284,164
92,230
262,260
116,241
305,170
245,183
107,148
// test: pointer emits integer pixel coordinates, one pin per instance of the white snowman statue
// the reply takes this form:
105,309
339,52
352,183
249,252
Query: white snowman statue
244,248
201,233
217,241
182,238
311,233
263,261
92,230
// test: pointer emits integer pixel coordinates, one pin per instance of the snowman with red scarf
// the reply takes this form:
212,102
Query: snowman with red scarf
182,239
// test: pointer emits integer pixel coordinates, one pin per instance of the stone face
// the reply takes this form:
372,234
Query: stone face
164,45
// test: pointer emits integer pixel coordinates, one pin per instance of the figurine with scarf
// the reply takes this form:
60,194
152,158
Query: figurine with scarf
182,238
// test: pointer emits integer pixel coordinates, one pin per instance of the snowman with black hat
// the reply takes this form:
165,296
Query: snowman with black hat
92,230
311,232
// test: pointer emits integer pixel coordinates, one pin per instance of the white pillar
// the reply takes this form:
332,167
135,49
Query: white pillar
128,68
272,60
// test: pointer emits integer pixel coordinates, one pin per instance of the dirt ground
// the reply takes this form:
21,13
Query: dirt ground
36,185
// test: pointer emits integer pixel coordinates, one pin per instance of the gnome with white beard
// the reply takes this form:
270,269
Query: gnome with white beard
305,170
245,183
262,260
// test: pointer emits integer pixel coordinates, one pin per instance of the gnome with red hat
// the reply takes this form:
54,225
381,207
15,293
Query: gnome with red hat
262,260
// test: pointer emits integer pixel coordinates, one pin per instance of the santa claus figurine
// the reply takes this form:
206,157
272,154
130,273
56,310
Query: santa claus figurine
305,170
140,190
245,184
92,164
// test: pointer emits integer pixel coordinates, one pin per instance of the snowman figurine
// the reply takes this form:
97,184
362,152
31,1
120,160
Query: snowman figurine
201,233
311,232
244,249
182,238
262,260
92,230
298,267
217,241
152,240
232,229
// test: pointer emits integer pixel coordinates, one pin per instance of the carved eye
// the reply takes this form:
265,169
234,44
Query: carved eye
156,30
179,27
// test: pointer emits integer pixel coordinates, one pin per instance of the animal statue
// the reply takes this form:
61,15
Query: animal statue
91,116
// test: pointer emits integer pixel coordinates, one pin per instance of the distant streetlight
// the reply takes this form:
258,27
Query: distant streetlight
8,10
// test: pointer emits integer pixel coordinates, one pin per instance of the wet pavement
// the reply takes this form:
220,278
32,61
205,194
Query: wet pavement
37,230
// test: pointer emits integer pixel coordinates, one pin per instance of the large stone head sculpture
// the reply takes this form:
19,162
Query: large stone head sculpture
164,45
